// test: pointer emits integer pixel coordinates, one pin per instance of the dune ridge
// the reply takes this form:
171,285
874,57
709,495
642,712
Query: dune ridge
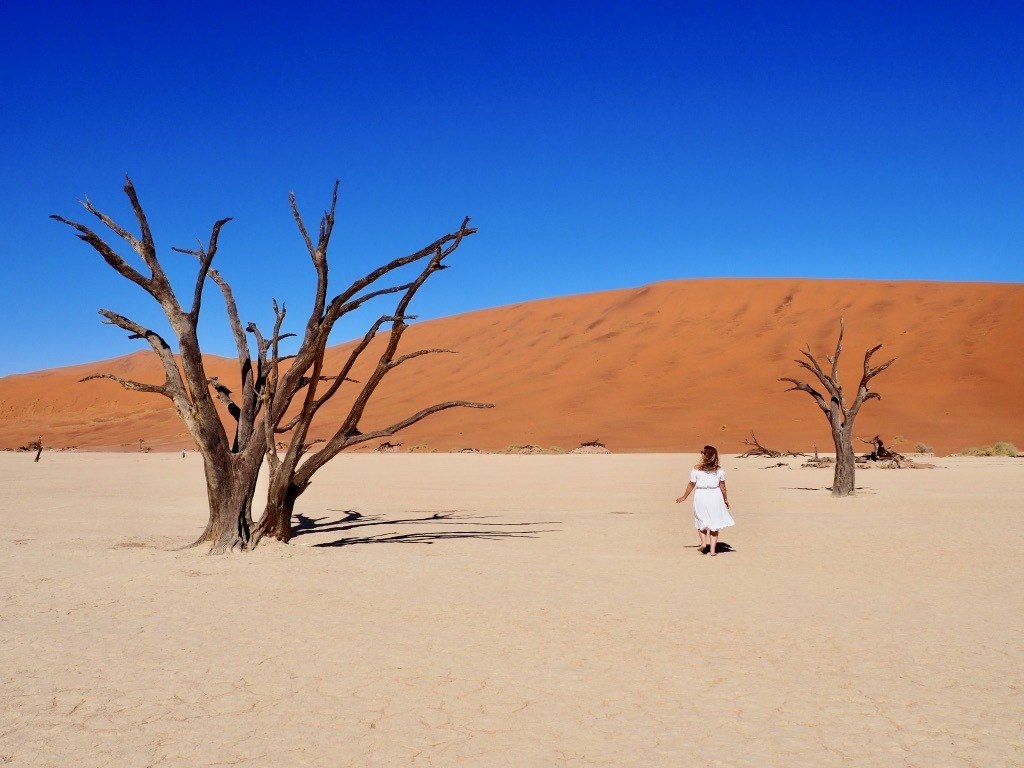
664,367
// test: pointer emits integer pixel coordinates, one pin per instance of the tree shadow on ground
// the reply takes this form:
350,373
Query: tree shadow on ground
470,527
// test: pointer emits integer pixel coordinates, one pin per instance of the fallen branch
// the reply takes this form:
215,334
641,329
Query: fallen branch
756,449
880,453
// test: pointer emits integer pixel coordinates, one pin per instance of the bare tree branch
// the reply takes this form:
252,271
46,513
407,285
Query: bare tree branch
802,387
446,245
135,386
346,369
360,300
147,249
241,345
116,228
225,397
109,255
318,253
388,431
834,359
832,387
863,392
302,226
205,257
418,353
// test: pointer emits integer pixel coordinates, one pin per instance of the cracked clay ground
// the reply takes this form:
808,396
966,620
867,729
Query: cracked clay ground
469,610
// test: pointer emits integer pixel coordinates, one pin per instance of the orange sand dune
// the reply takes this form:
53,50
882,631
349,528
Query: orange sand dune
666,367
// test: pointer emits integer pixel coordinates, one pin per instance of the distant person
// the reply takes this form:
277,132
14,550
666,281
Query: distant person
183,453
710,499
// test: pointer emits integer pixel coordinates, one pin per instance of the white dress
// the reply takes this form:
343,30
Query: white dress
709,510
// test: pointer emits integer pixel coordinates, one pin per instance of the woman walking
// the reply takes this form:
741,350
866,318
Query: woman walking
710,499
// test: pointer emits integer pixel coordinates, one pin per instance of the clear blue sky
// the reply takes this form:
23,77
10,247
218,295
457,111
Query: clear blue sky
596,146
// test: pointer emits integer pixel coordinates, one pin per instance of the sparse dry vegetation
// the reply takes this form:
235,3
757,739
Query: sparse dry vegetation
531,450
1001,448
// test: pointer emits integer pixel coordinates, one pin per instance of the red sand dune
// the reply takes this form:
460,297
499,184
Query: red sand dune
667,367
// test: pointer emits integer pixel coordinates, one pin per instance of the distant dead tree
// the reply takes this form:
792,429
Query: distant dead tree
879,451
840,416
280,394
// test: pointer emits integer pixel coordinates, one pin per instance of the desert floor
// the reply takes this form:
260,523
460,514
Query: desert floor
482,610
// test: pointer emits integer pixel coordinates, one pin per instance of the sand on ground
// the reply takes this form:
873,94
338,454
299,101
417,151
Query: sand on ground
483,610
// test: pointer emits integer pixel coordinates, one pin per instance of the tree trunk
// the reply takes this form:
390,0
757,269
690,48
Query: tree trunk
230,487
843,484
277,516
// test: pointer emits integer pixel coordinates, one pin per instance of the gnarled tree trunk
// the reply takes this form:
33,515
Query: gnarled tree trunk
230,488
276,521
844,479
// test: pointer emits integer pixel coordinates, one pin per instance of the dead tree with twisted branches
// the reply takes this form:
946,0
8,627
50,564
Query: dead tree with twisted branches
840,415
279,394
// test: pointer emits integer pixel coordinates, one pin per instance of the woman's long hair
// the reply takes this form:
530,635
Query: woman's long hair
709,459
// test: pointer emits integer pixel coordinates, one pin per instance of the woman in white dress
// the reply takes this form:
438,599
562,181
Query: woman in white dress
710,499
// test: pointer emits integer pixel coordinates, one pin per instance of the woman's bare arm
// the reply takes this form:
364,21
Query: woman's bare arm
689,488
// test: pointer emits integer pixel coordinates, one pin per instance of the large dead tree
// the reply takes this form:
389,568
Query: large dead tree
279,394
840,415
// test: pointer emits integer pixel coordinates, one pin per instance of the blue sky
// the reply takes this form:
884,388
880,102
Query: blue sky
596,146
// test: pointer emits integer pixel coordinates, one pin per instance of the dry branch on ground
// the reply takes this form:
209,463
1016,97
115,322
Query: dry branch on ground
756,449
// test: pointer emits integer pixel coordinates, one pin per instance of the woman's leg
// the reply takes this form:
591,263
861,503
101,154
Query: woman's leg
713,542
701,534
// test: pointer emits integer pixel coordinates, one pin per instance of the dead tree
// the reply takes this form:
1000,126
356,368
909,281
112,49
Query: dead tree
268,388
880,453
840,415
300,383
